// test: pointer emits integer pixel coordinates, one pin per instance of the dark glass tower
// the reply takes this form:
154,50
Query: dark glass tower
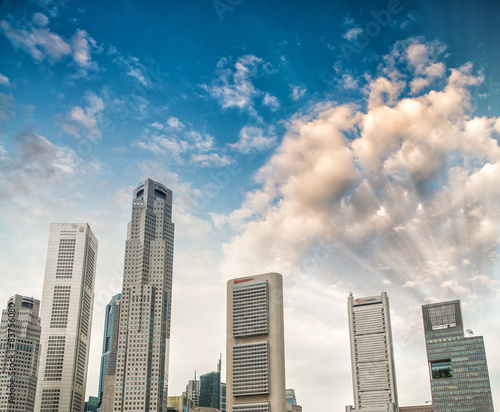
457,364
143,345
210,389
109,343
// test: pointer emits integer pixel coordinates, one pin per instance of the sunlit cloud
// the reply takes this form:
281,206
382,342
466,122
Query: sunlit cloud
407,193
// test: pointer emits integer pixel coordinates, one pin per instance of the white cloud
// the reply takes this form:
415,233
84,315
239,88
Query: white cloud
7,106
412,192
234,88
85,120
352,33
135,69
174,123
211,159
164,145
38,163
44,45
297,92
83,45
40,19
349,82
254,139
41,43
418,59
4,81
177,142
271,101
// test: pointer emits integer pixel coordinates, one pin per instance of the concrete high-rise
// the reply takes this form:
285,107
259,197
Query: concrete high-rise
19,354
372,354
255,344
144,337
109,345
457,364
66,312
192,394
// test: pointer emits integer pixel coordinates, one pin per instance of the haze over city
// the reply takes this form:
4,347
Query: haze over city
351,147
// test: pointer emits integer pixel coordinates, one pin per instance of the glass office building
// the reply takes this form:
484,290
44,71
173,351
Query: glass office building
109,343
457,364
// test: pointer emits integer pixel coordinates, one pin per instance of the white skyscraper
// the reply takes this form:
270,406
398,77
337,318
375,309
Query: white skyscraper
372,355
143,344
19,354
255,344
67,304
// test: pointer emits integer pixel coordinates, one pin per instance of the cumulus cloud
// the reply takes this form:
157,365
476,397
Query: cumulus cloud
352,33
176,141
134,68
211,159
85,121
40,19
234,87
254,139
36,163
4,81
83,45
271,101
405,190
418,60
297,92
42,44
7,105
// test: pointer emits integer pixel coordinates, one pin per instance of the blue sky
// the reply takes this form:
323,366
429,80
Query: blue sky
348,147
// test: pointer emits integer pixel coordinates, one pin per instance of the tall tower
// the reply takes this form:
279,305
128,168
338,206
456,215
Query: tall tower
457,364
191,397
372,354
255,344
143,344
19,354
210,389
109,344
67,304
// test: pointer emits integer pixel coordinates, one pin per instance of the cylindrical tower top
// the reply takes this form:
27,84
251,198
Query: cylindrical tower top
149,187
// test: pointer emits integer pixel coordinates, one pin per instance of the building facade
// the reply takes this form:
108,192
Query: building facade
372,354
19,354
210,389
109,344
92,404
457,364
191,397
417,408
175,403
146,301
66,313
291,401
255,344
223,397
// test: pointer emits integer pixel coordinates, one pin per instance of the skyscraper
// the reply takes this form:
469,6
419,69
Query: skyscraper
192,394
19,354
210,389
143,345
372,354
109,343
457,364
255,344
67,303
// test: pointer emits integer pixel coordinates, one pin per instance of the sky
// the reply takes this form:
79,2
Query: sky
349,146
